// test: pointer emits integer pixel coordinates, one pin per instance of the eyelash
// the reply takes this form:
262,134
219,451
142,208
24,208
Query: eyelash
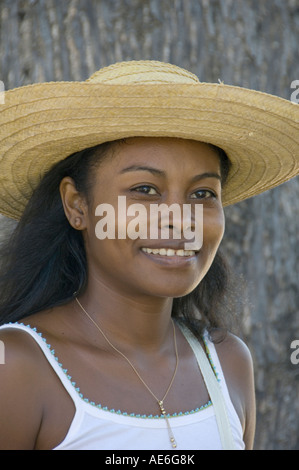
140,189
212,195
145,189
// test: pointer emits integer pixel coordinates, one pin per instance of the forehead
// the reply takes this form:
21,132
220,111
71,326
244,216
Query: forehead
165,152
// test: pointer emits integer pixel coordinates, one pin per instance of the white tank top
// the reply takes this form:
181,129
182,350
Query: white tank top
215,426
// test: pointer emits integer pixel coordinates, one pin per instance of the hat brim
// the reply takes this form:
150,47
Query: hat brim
43,123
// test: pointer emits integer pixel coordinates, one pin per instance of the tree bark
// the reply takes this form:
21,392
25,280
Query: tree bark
248,43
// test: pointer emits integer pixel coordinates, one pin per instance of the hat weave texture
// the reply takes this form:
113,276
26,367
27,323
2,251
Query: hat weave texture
43,123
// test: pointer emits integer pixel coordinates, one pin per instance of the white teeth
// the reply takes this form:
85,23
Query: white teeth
180,252
168,252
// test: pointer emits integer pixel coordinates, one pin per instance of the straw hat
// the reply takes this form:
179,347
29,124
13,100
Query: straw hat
43,123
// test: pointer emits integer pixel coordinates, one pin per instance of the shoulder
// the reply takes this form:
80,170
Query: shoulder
233,349
20,391
19,348
21,358
237,366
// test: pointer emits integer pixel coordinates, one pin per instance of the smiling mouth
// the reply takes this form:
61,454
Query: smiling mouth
169,252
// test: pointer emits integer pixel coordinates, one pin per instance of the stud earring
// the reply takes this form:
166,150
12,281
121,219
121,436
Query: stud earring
77,222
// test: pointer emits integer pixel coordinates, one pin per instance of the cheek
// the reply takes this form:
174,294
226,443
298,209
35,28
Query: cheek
213,229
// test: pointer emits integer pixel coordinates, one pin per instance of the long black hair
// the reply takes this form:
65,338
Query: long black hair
44,261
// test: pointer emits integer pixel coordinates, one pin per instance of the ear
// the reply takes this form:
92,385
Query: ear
75,206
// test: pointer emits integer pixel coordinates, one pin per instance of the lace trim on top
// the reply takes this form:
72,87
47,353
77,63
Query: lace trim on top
119,412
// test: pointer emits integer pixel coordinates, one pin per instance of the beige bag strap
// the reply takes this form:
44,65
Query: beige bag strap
213,388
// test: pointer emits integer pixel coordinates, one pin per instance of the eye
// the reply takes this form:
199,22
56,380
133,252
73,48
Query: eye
203,194
145,189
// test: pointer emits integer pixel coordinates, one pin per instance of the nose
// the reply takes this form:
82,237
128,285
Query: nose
181,214
176,218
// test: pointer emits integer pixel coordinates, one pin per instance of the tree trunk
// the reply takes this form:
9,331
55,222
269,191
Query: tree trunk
247,43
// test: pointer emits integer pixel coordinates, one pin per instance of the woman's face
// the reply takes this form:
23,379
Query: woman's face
150,172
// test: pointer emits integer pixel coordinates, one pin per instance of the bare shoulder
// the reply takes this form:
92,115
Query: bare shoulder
234,349
18,345
237,365
20,391
19,350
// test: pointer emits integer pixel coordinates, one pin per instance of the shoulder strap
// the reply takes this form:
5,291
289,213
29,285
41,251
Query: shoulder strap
213,388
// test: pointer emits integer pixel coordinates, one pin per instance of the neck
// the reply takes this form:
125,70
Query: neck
142,322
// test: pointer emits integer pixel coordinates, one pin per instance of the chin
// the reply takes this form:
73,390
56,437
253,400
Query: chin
172,288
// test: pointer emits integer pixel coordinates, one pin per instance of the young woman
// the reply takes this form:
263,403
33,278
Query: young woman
114,340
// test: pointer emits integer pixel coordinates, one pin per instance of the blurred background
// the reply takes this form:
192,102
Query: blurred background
248,43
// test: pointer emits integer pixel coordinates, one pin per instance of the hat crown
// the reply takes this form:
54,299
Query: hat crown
141,72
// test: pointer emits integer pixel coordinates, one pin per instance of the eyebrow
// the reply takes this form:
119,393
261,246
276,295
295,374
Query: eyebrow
205,175
156,171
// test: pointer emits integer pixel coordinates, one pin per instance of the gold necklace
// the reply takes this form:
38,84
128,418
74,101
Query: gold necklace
160,402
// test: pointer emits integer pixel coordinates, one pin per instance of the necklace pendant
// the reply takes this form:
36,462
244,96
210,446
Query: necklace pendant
170,433
173,443
162,407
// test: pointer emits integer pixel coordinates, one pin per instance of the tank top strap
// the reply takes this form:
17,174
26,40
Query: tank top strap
213,388
49,354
